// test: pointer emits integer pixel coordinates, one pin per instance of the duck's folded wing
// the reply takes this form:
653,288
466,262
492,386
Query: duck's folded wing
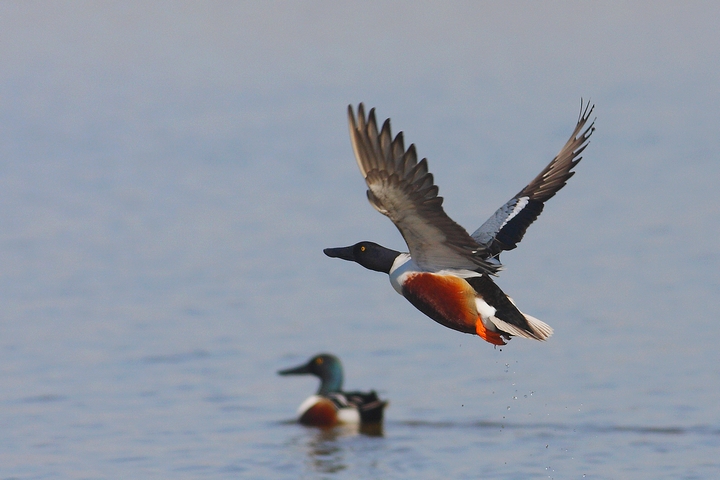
401,188
507,226
368,404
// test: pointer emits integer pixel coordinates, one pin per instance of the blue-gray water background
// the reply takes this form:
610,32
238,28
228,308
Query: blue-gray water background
170,173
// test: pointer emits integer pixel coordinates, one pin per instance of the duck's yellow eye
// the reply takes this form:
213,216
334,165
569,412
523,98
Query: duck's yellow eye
319,361
362,248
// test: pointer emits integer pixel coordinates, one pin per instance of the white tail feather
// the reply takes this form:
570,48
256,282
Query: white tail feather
540,329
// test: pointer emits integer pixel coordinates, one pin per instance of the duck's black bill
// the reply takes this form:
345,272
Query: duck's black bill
346,253
302,369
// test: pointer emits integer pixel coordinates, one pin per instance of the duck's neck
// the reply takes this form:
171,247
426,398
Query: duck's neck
332,382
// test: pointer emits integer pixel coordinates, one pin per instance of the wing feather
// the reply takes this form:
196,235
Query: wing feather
403,189
507,226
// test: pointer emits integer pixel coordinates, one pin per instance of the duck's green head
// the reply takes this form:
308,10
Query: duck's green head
324,366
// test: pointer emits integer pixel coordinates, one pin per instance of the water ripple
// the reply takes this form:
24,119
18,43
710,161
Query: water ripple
586,428
176,357
45,398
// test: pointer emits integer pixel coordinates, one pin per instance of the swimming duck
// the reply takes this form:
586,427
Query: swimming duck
330,405
447,272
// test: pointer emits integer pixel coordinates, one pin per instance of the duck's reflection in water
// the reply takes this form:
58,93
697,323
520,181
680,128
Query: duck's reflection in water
326,451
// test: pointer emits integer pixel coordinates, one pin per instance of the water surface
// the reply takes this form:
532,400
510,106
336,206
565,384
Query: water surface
169,177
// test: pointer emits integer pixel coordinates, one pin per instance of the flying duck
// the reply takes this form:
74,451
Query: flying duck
447,272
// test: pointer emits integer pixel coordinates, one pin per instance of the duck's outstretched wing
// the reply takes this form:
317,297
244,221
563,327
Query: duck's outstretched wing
507,226
401,188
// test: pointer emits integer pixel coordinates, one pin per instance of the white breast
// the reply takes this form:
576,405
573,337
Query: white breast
401,268
309,402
